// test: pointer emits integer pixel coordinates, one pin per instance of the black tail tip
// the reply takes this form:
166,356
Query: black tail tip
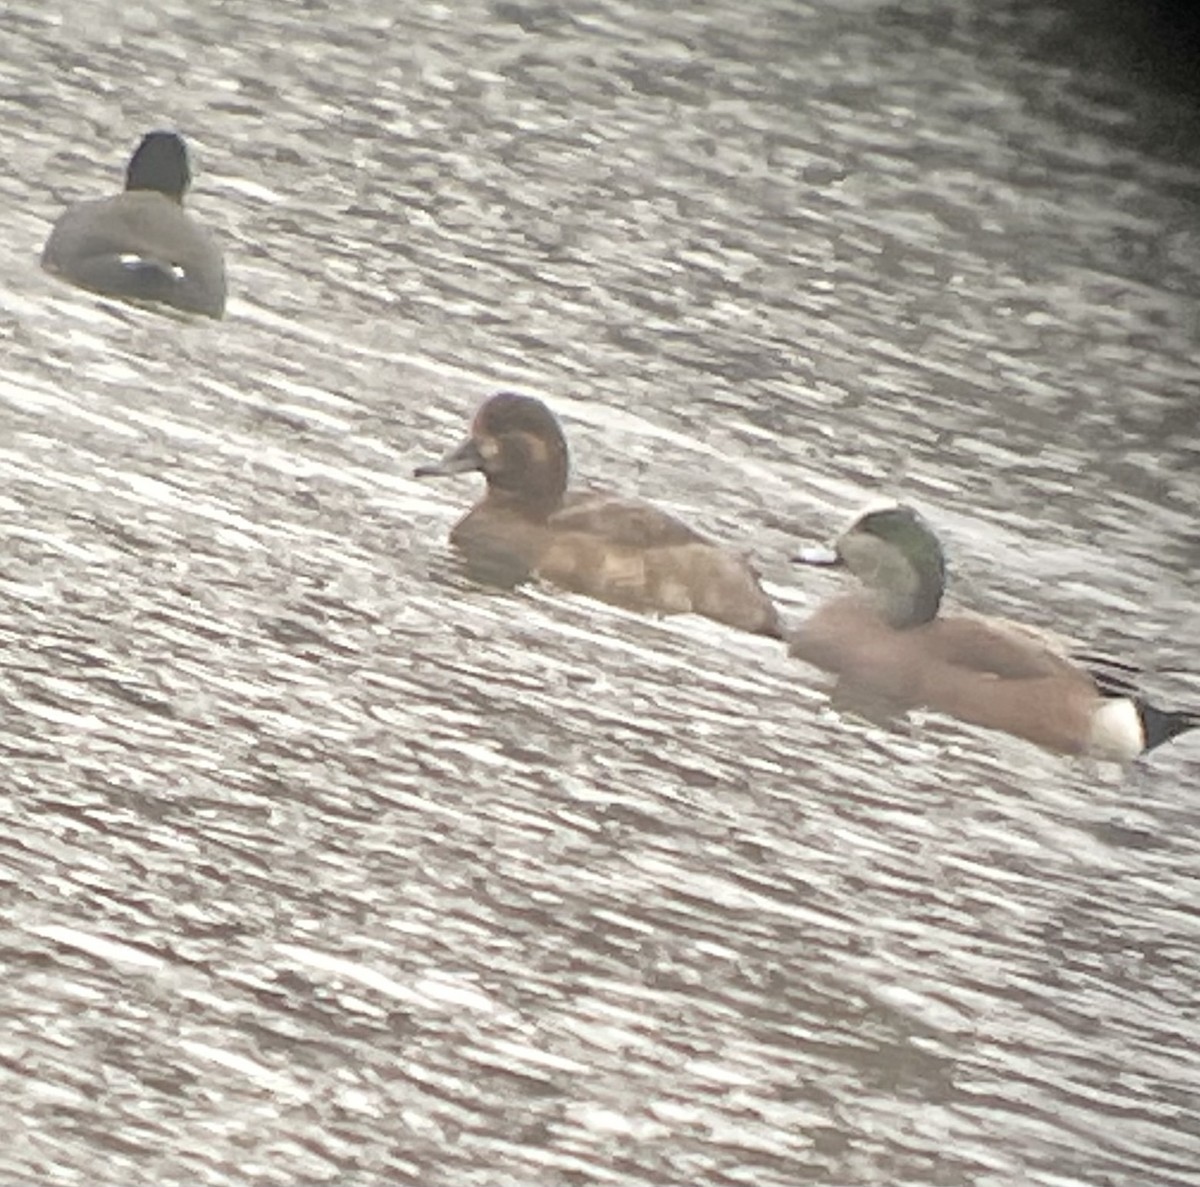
1161,725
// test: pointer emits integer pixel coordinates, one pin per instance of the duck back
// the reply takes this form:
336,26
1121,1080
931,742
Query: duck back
139,245
979,670
632,554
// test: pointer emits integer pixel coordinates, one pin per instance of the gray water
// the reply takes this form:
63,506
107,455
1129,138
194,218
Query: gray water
321,865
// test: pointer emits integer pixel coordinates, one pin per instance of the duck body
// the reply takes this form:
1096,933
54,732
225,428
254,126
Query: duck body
981,671
889,644
142,244
623,551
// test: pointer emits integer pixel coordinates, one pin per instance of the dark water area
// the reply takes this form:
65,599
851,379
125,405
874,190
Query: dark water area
322,864
1157,42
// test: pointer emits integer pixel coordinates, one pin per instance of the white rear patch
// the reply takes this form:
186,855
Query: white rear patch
1117,732
136,263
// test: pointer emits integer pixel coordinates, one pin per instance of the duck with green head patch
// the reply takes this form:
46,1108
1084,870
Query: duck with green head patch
142,244
888,643
618,550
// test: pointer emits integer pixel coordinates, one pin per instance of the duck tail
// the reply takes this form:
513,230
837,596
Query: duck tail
772,625
1161,725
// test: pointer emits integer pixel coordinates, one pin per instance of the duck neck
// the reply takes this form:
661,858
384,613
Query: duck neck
526,503
906,598
537,497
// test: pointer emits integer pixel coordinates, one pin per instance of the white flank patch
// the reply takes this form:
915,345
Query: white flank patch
1117,732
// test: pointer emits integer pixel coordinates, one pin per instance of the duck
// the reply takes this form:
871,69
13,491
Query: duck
528,525
890,647
141,244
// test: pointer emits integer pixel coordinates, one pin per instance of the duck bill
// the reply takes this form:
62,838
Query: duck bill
458,461
818,554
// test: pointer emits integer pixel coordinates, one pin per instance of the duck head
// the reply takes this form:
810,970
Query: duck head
160,163
517,444
898,559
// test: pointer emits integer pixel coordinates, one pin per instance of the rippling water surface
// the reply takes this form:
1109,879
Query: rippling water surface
320,864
